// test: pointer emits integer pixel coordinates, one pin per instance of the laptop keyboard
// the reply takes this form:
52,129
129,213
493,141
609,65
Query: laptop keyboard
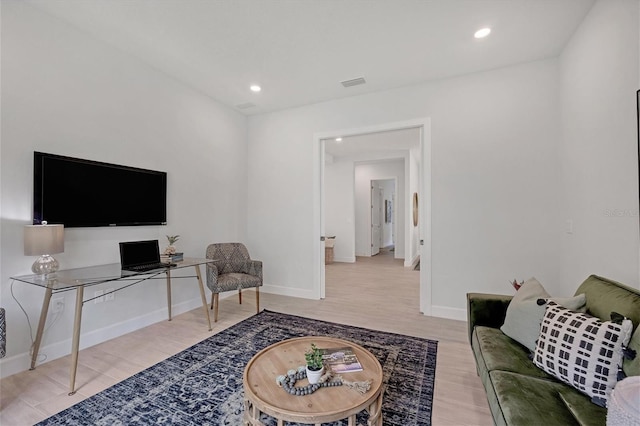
150,266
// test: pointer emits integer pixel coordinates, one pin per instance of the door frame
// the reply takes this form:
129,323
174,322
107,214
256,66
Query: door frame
424,196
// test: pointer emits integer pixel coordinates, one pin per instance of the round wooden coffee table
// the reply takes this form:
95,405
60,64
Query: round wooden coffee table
263,395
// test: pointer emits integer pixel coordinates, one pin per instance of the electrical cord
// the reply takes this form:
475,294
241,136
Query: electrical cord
43,357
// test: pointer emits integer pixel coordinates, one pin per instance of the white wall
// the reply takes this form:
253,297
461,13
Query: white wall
65,93
339,209
364,174
599,156
494,170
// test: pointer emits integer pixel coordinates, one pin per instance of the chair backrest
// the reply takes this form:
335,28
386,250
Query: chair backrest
231,257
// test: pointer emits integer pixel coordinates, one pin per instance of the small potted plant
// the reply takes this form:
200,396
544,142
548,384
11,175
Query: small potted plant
171,249
315,366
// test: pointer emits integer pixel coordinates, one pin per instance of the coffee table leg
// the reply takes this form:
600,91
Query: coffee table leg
252,415
375,411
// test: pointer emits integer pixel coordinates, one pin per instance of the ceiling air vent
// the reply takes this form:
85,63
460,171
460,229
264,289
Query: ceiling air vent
245,105
353,82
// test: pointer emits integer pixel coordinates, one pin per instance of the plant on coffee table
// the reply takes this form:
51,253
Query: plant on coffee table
315,366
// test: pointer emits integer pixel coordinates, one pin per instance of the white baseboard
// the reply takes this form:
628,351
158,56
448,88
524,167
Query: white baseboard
449,313
413,261
288,291
351,259
21,362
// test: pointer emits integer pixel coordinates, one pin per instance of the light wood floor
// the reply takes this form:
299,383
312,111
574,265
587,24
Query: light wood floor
375,292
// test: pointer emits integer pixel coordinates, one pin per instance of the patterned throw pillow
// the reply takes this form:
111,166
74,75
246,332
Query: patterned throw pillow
582,350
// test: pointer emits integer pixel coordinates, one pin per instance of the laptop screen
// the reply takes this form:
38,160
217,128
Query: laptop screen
135,253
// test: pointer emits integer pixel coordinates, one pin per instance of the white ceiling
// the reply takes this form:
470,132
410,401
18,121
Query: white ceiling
299,51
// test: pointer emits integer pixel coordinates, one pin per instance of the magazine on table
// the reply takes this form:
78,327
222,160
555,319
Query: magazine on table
341,360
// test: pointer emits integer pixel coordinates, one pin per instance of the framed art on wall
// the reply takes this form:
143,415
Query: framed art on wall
388,211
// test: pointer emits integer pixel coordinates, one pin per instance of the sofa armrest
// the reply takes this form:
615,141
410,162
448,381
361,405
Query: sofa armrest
486,309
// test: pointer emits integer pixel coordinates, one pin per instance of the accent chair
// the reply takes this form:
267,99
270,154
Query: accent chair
232,269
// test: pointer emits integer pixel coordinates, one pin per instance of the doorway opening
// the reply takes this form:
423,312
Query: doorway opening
405,239
383,192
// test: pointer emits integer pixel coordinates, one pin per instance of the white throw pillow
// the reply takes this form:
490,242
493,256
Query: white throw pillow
582,350
524,315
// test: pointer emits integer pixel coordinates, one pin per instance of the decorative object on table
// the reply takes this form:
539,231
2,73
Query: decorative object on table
288,382
176,257
44,240
315,364
171,249
341,360
166,388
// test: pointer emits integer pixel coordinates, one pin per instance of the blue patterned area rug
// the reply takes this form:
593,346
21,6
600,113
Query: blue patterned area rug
202,385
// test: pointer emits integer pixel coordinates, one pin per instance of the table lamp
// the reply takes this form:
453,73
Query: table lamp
44,240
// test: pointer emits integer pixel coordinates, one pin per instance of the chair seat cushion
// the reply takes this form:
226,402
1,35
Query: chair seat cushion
236,281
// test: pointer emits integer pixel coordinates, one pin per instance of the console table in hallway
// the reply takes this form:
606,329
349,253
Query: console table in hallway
78,279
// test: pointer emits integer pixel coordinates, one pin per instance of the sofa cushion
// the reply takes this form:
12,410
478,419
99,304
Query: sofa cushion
500,352
582,350
605,295
525,400
581,408
524,314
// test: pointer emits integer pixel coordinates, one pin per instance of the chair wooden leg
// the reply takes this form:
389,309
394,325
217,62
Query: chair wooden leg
257,300
240,295
215,301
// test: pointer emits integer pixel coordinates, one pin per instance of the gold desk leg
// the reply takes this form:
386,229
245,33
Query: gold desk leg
43,319
75,346
169,292
204,298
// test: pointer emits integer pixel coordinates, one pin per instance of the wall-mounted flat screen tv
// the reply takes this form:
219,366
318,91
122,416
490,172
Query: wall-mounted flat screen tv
85,193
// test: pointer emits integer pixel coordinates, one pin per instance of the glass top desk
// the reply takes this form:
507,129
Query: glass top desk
78,279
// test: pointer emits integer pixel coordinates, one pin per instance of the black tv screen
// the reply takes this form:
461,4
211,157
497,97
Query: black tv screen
85,193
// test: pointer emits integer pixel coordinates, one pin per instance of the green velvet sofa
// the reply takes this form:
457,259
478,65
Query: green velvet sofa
519,393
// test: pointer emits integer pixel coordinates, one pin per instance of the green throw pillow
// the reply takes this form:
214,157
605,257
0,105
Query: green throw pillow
524,315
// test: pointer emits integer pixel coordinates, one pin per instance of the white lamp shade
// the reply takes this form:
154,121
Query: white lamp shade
43,239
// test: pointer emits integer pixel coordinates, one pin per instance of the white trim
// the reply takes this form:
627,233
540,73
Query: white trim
413,261
424,207
348,259
22,362
425,196
289,291
449,313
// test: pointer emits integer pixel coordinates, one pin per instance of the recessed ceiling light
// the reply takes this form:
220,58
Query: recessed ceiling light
338,139
482,33
255,88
